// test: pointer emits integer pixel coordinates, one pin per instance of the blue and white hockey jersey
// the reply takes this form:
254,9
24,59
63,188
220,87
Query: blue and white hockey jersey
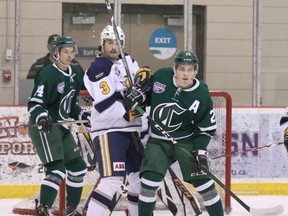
106,81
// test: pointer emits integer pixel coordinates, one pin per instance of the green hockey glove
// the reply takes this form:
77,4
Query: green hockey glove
45,124
200,157
85,115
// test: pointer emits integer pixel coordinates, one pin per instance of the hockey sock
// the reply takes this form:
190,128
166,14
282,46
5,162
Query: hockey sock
133,193
215,209
150,182
55,173
76,170
211,199
102,196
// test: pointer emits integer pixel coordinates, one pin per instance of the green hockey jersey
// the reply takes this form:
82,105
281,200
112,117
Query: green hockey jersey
55,92
186,114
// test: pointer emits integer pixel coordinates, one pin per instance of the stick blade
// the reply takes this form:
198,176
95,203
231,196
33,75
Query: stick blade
267,211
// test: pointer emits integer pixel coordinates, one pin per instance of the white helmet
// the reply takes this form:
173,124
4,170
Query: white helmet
108,33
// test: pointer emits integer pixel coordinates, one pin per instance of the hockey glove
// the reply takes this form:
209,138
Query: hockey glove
200,157
286,138
133,98
143,79
85,116
45,124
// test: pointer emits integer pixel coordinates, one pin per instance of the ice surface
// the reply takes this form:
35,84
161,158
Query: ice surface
6,206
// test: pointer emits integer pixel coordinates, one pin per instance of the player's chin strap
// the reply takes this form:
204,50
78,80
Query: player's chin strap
57,59
259,211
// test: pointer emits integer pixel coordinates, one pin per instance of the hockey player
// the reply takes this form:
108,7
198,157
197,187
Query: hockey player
48,59
283,121
112,124
182,106
54,98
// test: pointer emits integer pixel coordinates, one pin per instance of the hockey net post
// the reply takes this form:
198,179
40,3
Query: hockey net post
222,102
220,144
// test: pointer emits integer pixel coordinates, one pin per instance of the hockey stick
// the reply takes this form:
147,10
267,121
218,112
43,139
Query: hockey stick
166,198
160,129
254,211
264,211
87,149
60,122
110,12
168,201
193,201
248,150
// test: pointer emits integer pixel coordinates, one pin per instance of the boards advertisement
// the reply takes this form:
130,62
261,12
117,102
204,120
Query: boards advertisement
251,127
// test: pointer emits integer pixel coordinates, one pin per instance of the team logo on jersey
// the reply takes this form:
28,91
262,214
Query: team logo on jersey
163,114
117,71
72,78
159,87
60,87
119,166
65,104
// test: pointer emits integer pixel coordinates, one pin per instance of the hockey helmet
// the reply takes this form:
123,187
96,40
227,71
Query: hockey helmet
108,33
186,57
63,41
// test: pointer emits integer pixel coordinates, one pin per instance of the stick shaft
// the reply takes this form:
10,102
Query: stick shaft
159,128
224,187
110,12
248,150
186,192
60,122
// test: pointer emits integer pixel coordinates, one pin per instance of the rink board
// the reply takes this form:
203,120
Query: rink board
262,172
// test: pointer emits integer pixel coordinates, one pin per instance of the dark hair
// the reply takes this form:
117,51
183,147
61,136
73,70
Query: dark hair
52,37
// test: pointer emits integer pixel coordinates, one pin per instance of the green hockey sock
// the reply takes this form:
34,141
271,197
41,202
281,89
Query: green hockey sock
145,208
216,209
73,194
47,195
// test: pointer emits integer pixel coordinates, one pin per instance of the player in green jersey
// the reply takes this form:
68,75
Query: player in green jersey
54,98
182,106
48,59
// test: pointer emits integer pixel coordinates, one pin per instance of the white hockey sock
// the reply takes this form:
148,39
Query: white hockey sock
133,193
102,196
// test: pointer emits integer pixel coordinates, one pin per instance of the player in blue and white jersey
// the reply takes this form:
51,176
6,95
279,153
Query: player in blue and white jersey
113,127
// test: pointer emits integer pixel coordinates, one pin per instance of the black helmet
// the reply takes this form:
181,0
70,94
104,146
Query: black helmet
63,41
186,57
